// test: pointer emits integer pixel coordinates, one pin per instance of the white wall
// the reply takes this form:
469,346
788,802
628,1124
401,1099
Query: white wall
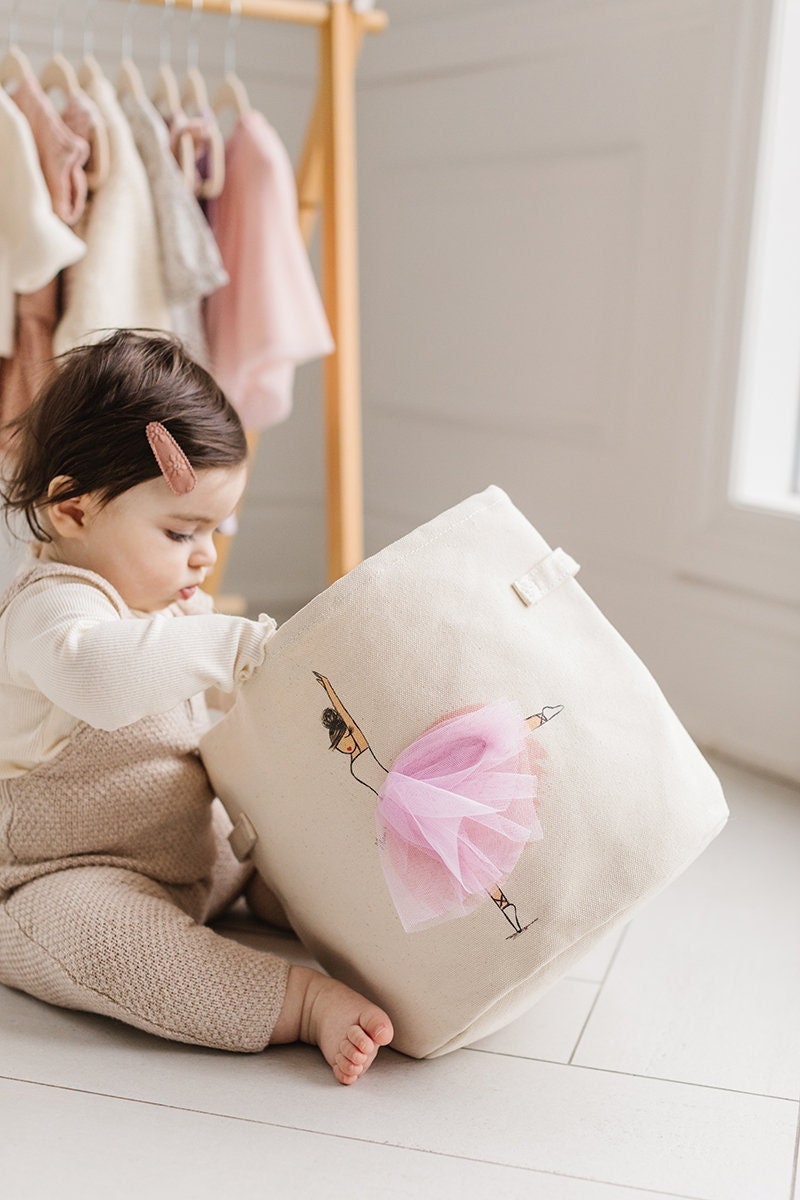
555,204
554,210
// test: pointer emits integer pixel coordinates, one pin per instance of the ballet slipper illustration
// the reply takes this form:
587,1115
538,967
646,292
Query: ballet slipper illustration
547,714
455,809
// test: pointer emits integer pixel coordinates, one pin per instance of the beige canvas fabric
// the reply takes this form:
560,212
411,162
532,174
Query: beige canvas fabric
470,609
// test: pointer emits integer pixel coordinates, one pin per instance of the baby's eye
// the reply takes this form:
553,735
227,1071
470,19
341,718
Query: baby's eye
178,537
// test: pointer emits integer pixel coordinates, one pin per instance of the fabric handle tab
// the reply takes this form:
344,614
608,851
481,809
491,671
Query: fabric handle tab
242,837
546,576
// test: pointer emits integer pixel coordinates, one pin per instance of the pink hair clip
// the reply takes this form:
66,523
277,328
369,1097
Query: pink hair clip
175,466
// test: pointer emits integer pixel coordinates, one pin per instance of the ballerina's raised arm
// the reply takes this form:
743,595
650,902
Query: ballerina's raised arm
358,737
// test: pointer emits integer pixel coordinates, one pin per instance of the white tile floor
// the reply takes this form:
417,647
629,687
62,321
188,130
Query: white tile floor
667,1063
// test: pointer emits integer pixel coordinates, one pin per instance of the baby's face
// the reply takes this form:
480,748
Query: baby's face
155,547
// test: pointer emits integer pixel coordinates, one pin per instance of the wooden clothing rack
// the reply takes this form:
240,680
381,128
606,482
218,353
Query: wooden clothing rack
326,184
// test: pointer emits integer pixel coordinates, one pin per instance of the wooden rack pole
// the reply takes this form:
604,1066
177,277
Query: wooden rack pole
339,43
295,12
326,182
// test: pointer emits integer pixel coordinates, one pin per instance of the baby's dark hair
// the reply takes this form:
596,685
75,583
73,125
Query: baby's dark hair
335,726
88,423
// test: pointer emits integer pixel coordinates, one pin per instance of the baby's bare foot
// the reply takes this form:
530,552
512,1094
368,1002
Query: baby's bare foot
348,1029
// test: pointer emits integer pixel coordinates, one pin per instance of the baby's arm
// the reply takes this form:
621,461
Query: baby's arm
199,604
71,644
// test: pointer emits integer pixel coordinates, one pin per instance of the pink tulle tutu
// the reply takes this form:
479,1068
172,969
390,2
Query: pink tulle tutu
456,811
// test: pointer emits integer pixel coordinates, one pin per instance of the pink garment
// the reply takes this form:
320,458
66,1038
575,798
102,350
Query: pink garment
269,317
23,375
62,153
82,116
456,811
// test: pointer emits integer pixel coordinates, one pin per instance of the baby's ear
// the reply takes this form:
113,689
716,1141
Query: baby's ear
68,517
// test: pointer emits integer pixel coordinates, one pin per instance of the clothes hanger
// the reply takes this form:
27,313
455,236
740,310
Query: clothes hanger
231,92
130,82
194,98
89,70
166,97
129,79
58,74
15,66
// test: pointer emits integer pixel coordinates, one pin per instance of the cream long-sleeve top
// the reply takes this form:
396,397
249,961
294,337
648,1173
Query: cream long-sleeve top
68,656
117,284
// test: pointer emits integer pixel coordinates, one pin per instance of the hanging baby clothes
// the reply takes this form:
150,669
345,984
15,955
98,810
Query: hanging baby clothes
23,374
62,153
62,157
82,116
34,244
118,282
269,317
197,127
191,265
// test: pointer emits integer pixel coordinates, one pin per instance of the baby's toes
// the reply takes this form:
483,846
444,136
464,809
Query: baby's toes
359,1040
349,1054
377,1026
345,1072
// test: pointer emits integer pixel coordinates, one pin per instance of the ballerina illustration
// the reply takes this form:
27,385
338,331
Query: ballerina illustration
455,808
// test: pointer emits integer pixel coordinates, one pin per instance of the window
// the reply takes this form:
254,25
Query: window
765,467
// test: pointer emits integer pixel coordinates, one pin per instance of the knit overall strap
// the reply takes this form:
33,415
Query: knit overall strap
56,570
136,797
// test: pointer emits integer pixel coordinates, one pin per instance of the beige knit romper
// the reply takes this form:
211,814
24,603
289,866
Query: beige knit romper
112,855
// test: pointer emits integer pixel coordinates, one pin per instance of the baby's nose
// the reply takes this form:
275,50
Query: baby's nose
204,553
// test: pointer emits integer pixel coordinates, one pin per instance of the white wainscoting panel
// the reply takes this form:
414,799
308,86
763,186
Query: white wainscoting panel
546,222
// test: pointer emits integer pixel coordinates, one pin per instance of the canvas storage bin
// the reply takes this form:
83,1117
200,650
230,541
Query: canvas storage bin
457,776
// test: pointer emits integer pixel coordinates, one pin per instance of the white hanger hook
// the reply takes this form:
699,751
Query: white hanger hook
13,23
88,28
234,17
165,50
127,30
58,28
192,46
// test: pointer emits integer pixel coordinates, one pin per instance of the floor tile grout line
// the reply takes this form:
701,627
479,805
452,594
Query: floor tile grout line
490,1162
601,985
714,1087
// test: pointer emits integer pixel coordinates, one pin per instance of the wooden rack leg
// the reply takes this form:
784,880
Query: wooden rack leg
228,603
339,40
311,167
310,172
